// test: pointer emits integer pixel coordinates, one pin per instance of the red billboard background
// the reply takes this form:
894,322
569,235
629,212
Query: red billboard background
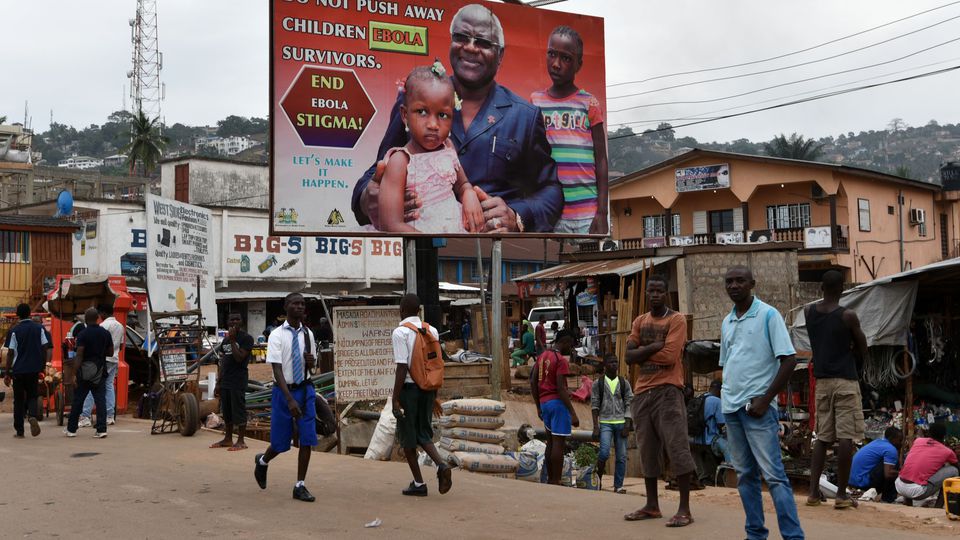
324,66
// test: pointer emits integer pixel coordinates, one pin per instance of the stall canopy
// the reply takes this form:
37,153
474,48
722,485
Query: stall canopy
577,271
76,294
885,306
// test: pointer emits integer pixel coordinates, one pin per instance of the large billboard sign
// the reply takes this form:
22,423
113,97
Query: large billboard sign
487,119
179,258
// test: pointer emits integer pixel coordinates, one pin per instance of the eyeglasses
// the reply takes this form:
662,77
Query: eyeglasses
481,43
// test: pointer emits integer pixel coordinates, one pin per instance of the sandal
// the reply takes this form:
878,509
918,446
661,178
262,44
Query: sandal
220,444
846,502
237,447
680,520
813,502
643,514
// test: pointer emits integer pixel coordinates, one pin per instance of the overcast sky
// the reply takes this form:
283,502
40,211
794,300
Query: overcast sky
72,58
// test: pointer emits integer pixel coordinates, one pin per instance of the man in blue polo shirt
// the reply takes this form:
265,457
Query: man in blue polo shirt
875,465
757,359
27,354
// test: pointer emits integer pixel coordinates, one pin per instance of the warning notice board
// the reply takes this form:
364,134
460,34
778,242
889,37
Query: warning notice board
364,366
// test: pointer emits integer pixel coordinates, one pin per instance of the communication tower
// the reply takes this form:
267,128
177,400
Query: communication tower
146,90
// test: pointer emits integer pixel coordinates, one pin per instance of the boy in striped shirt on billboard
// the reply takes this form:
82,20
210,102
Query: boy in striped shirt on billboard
574,124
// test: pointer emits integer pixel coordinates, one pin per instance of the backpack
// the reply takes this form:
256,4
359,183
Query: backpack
696,423
426,360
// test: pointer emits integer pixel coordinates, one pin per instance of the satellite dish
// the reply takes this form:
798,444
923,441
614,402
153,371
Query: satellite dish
64,203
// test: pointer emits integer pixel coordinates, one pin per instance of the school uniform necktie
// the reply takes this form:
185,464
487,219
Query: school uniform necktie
297,356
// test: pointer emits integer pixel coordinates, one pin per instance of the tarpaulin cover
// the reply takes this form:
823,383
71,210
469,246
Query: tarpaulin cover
884,310
78,293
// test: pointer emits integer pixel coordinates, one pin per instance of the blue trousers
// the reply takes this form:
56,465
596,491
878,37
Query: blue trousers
754,444
613,433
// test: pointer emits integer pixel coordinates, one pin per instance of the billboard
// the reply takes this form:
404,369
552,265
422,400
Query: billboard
179,237
486,119
703,178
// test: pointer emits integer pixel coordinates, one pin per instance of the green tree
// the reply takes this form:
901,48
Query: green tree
3,119
903,171
146,145
793,147
234,125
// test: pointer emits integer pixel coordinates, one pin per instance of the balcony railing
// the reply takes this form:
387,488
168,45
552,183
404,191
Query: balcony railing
813,238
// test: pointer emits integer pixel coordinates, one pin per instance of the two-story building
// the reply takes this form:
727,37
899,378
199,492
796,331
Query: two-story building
864,223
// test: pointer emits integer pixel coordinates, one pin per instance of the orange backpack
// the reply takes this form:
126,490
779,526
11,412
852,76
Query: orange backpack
426,360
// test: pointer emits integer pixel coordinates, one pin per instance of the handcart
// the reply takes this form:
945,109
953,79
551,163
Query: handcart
176,404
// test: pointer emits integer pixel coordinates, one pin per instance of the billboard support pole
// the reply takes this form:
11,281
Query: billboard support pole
410,265
497,330
484,321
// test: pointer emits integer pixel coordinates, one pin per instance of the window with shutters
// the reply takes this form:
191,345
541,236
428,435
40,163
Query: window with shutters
14,247
944,243
655,226
788,216
863,208
700,222
721,221
181,183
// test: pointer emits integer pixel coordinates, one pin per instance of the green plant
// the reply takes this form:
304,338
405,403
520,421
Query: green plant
585,456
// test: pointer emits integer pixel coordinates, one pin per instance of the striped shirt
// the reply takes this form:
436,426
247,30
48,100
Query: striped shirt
569,123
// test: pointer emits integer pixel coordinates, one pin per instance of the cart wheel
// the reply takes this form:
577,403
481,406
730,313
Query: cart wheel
188,413
58,400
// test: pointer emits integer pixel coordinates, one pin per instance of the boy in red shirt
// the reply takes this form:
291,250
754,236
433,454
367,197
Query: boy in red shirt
928,464
548,385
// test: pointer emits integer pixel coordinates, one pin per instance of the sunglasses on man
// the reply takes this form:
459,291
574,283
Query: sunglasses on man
481,43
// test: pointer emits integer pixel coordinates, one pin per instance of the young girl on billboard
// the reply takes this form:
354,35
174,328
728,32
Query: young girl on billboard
428,164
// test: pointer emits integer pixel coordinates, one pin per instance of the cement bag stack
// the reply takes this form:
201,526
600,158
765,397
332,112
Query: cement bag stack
470,429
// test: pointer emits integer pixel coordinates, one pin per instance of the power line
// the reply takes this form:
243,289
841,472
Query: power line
750,63
774,70
701,116
712,100
797,102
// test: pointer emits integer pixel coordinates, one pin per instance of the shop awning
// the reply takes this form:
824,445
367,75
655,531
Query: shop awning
885,306
579,270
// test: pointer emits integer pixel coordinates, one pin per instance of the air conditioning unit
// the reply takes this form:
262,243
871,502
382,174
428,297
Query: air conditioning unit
609,245
917,216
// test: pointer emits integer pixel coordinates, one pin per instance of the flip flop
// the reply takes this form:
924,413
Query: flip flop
840,504
679,521
813,502
220,444
643,514
236,448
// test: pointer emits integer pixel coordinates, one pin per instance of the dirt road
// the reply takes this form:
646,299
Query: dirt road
134,485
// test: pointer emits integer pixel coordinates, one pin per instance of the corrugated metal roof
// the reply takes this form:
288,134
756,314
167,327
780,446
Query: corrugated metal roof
22,220
578,270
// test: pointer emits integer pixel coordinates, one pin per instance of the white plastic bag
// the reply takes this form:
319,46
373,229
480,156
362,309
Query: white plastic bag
381,443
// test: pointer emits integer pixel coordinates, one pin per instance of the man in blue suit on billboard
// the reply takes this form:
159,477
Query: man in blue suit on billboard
499,137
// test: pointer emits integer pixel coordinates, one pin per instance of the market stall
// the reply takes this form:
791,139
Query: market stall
912,375
71,296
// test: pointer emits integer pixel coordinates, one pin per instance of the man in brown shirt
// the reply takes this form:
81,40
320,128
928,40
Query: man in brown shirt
659,414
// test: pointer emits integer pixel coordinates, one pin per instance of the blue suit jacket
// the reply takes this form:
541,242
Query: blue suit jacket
505,153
